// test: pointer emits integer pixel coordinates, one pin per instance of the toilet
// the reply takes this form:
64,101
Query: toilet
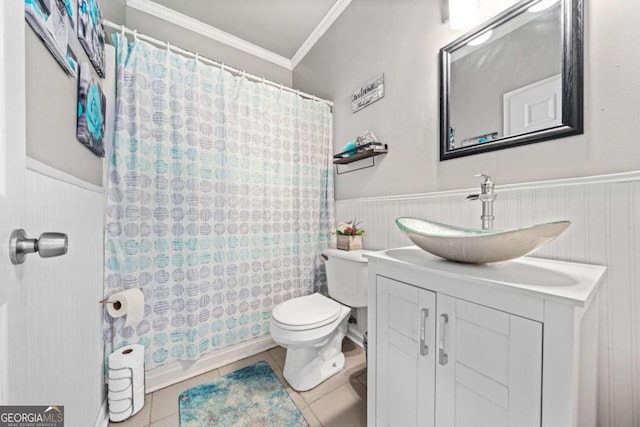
312,327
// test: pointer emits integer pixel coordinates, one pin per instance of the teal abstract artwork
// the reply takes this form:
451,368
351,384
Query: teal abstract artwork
91,33
92,106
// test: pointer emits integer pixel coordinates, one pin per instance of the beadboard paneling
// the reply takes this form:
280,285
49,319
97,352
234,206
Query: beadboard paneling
65,350
604,212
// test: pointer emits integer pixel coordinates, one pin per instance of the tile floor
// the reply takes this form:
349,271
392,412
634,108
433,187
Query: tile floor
340,401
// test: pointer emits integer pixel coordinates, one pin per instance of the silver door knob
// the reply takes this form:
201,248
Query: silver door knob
47,245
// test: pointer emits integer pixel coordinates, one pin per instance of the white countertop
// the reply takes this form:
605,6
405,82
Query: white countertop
568,282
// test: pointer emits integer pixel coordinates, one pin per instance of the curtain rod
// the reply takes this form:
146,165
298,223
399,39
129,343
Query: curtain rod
206,60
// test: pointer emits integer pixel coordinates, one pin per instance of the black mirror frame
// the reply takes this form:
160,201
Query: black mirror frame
572,82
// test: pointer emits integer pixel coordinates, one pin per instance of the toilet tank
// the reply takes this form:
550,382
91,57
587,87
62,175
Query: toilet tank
347,276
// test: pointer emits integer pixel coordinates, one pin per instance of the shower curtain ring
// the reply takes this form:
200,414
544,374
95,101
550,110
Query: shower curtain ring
281,87
168,47
122,28
197,56
135,35
244,74
263,80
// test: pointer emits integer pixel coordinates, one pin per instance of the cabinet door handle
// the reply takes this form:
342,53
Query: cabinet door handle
424,348
443,359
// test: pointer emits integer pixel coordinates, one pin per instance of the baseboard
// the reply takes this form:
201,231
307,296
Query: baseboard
102,420
355,336
176,372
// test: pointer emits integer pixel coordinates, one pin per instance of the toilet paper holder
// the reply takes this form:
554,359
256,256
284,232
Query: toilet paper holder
131,385
116,304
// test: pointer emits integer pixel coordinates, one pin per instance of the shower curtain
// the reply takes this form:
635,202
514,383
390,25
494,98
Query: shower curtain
219,201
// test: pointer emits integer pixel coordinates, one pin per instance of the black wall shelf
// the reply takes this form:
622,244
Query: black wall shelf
364,152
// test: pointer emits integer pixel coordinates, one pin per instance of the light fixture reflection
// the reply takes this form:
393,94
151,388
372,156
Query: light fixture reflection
544,4
462,13
481,38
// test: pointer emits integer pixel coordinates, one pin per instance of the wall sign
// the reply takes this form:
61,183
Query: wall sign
369,93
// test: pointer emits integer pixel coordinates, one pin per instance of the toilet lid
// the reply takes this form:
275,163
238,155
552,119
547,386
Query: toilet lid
312,310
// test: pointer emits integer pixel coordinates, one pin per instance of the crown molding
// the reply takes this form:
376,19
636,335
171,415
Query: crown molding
209,31
334,13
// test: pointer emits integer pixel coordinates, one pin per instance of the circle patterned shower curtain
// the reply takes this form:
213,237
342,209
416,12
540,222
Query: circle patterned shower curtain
219,201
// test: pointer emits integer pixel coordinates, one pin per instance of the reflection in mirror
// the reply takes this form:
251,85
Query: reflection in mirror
519,61
513,81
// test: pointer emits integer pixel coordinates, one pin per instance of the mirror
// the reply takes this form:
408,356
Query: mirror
514,80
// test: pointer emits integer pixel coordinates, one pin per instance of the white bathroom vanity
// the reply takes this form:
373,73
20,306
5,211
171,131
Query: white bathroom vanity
504,344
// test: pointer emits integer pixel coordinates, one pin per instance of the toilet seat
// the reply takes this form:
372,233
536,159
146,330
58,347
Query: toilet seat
308,312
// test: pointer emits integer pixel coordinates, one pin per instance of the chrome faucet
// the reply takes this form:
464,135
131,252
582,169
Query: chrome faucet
486,196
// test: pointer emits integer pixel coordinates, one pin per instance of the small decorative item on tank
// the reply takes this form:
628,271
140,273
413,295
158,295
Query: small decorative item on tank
349,235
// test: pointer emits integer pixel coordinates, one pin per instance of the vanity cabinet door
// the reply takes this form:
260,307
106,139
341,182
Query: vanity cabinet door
488,368
405,363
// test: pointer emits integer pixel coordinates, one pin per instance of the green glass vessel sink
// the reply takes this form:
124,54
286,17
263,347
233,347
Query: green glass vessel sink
475,246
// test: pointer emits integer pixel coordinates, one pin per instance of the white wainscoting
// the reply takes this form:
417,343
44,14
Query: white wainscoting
604,211
65,348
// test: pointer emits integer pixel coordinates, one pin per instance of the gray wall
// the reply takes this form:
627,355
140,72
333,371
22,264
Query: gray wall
479,79
52,99
113,10
402,39
52,107
52,95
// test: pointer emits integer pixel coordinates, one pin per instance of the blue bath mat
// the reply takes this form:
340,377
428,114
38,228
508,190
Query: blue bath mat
251,396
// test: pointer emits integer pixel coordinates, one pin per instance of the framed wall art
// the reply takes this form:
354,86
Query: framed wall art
91,33
54,22
92,105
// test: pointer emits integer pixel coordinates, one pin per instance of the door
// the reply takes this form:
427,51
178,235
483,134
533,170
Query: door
533,107
13,318
489,367
405,355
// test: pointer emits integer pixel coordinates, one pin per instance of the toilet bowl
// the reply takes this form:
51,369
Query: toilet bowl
312,327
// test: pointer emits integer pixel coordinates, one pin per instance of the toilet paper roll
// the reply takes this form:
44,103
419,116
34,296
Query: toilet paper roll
130,356
120,407
114,389
120,410
136,395
128,303
116,418
138,402
121,416
127,393
118,384
118,374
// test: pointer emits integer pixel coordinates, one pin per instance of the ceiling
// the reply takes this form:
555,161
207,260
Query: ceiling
280,26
